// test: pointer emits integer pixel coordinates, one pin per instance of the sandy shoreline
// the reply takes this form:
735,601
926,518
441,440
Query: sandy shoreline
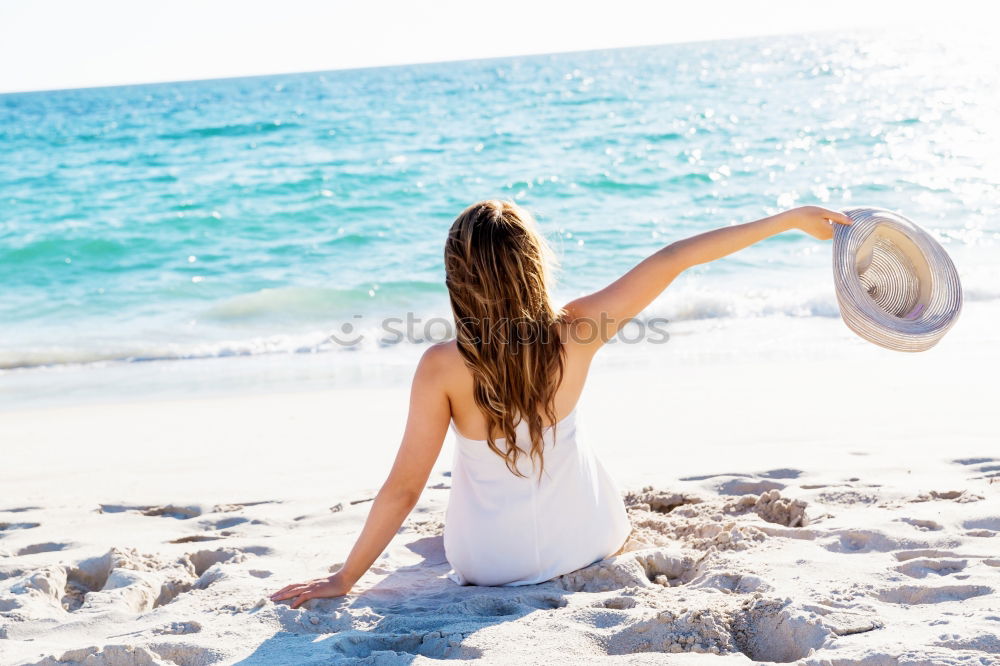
825,510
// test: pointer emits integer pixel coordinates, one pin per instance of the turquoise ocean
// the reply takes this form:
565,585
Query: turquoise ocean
287,218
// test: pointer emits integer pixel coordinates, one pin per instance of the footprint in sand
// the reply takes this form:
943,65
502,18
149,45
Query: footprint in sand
991,523
919,594
37,548
747,486
196,538
906,555
659,501
973,461
224,523
922,567
866,541
671,631
989,468
847,497
220,528
763,629
404,626
782,473
123,580
923,525
986,528
8,527
180,512
738,483
959,496
641,568
982,534
165,511
161,653
109,654
434,645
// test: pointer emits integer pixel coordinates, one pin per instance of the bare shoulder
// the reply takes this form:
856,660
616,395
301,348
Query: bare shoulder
442,360
443,353
576,310
582,326
442,368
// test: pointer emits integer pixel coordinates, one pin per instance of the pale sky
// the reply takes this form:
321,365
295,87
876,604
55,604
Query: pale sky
51,44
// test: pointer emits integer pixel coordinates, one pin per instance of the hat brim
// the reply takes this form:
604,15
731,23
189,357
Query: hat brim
927,298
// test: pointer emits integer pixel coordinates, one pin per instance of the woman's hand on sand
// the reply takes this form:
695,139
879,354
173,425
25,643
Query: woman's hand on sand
815,220
320,588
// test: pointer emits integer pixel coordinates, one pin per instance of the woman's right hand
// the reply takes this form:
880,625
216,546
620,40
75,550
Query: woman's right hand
815,220
321,588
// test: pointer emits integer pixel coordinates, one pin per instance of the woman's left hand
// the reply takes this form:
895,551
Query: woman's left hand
320,588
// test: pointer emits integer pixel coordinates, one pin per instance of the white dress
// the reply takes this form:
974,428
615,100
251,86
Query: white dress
501,529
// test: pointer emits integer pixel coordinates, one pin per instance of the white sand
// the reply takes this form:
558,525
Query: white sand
824,509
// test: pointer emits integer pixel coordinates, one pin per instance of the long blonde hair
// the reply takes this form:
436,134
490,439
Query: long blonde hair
497,267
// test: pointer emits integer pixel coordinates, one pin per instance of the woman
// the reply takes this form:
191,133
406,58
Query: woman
526,504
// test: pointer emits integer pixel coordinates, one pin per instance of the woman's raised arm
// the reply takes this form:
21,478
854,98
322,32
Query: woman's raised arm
426,427
599,316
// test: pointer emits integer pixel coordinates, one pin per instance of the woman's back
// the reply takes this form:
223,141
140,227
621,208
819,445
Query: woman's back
466,414
504,529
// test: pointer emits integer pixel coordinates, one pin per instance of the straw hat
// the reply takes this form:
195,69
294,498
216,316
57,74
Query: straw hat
896,285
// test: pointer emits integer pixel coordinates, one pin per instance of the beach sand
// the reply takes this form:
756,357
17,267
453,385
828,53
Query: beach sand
825,509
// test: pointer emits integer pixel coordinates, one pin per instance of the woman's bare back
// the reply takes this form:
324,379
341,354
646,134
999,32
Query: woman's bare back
459,384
